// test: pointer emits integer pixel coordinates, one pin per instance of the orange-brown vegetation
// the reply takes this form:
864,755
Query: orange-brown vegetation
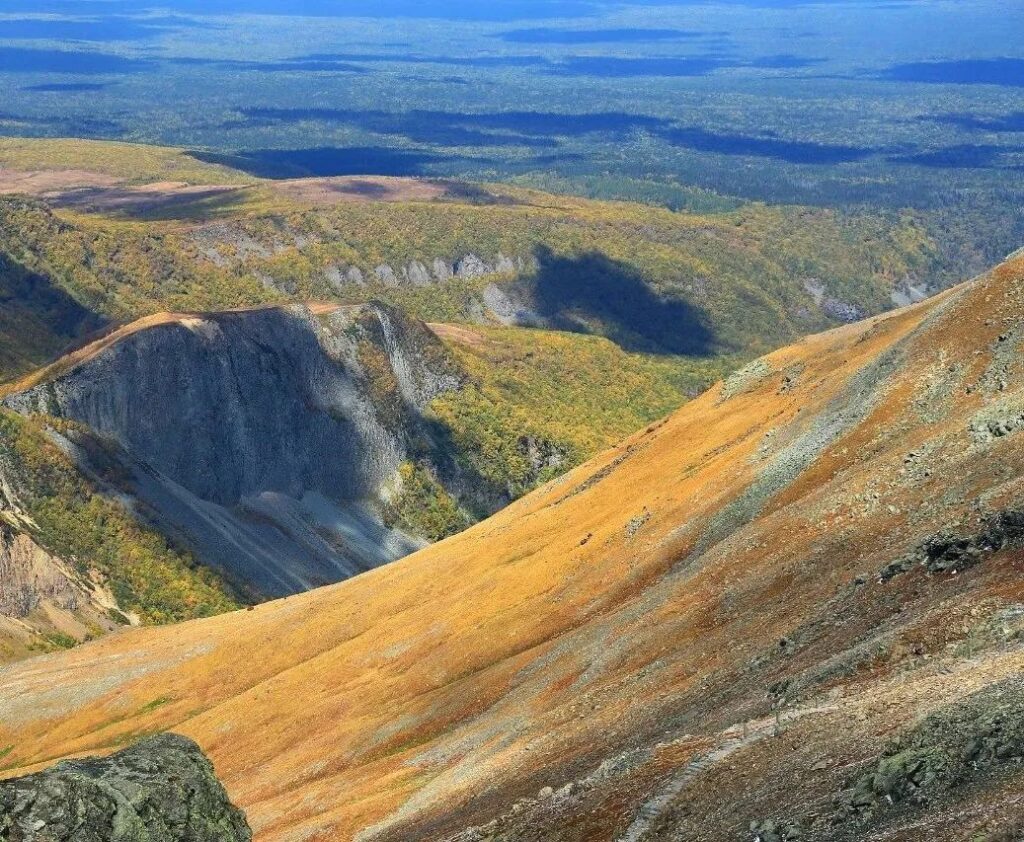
710,590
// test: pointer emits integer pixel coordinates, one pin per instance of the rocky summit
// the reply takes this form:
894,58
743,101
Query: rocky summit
160,790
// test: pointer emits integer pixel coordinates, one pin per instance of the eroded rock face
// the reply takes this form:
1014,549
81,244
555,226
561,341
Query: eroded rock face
235,405
265,440
162,789
28,575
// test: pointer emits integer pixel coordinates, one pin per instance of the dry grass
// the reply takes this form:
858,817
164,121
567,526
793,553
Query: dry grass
131,163
435,691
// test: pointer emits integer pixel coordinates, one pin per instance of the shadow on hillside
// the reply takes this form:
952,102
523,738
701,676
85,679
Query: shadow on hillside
326,161
38,319
790,151
591,293
479,495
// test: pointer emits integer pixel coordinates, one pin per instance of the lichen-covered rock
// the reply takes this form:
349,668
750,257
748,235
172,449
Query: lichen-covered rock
979,736
955,550
162,789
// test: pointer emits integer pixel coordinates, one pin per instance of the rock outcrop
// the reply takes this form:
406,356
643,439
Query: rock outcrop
418,272
162,789
46,600
266,441
29,575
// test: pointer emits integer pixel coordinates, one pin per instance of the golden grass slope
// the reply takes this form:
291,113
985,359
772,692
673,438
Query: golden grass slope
105,163
711,567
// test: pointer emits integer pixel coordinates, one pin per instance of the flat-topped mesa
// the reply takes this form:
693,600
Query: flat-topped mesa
269,438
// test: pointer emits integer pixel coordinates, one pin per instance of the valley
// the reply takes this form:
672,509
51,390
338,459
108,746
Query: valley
447,251
522,421
632,650
456,346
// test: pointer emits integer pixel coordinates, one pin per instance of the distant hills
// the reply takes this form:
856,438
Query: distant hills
126,231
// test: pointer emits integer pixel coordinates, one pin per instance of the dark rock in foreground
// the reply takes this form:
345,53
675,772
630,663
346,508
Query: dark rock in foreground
162,789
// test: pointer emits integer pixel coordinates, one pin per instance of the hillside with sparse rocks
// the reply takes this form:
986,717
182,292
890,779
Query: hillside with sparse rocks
792,610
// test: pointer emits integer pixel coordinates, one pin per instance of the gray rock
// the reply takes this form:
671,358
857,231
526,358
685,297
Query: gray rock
996,426
956,550
541,454
637,523
162,789
770,831
505,264
834,308
472,266
334,278
267,281
416,273
386,275
442,269
973,737
842,311
499,303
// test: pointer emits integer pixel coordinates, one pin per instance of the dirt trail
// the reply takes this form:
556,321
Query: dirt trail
731,740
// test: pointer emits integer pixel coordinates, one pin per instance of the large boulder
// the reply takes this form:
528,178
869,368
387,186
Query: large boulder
162,789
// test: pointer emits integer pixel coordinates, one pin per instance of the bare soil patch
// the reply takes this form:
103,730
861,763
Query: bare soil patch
336,190
459,335
48,182
83,190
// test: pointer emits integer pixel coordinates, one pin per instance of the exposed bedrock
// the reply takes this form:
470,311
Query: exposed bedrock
160,790
265,440
29,575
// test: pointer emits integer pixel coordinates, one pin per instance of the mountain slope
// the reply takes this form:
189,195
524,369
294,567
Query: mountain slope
739,618
283,448
129,231
267,441
74,563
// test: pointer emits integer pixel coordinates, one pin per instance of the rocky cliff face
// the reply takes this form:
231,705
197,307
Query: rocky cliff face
29,575
237,404
268,440
44,601
161,790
